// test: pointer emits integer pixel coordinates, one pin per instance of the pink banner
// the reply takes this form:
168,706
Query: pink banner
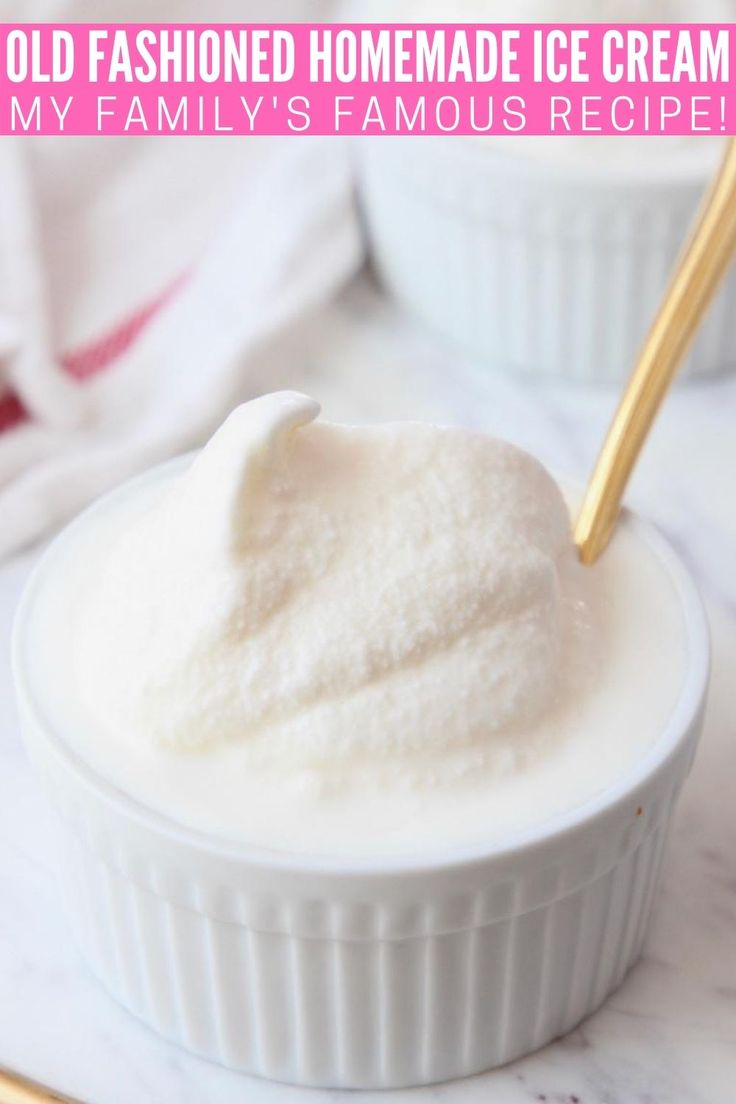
354,79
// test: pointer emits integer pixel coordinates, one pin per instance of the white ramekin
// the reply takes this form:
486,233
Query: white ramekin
549,268
369,973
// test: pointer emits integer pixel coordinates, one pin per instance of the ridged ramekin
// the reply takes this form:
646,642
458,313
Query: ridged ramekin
545,267
381,972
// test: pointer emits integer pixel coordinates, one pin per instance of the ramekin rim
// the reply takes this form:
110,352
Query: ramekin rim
603,175
678,726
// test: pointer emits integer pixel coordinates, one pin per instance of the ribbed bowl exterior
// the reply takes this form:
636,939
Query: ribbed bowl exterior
351,979
373,1012
535,269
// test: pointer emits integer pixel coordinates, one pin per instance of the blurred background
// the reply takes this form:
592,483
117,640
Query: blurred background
147,284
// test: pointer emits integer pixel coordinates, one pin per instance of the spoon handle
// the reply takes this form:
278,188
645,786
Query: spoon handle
15,1089
702,265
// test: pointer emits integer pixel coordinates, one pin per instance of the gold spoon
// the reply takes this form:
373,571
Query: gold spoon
702,265
15,1089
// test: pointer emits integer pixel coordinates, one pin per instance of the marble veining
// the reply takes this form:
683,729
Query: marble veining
668,1036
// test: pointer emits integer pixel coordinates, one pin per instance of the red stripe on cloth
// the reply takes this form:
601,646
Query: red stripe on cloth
99,354
11,411
87,361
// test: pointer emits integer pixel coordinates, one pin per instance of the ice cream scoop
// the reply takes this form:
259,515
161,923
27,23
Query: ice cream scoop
320,592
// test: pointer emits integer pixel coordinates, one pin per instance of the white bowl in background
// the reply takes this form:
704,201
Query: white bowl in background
376,972
545,266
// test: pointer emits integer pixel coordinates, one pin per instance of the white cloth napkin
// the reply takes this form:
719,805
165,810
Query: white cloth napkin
286,242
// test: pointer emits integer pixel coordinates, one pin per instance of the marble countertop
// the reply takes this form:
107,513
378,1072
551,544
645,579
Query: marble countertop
668,1036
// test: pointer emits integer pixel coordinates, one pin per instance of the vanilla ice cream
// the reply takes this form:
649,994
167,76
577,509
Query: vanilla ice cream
312,591
357,639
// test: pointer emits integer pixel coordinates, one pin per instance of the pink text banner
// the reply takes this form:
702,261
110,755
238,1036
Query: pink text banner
367,79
